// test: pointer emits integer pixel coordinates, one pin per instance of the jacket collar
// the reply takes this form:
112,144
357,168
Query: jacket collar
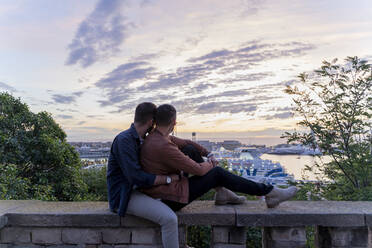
133,131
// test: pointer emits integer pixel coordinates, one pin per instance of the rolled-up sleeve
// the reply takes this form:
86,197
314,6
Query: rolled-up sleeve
127,158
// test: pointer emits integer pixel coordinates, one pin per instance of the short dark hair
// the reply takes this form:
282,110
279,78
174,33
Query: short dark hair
165,114
144,112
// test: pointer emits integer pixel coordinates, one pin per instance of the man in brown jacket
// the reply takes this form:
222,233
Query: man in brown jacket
162,154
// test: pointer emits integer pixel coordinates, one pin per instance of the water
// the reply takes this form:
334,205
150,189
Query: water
295,164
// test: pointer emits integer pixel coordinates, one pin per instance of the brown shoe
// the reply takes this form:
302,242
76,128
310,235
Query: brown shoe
278,195
224,196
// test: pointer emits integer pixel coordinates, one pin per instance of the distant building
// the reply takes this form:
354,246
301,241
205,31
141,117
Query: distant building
92,150
193,136
210,146
230,144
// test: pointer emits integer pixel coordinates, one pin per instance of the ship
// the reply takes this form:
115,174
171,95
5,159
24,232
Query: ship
285,149
247,163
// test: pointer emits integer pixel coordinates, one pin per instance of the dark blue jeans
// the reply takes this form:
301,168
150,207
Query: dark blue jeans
216,177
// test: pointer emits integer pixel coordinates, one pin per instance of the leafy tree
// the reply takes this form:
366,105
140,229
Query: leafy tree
335,106
37,146
13,187
95,179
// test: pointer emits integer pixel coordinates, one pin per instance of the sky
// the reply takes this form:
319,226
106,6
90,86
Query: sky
222,64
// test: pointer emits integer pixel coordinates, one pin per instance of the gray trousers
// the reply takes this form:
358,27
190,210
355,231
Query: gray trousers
149,208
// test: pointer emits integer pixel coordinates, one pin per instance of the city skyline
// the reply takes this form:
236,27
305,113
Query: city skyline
222,64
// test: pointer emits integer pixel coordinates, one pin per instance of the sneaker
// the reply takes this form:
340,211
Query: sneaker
278,195
224,196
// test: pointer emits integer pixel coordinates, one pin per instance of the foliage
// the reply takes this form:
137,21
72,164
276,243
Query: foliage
199,236
335,105
37,146
254,237
95,179
13,187
310,236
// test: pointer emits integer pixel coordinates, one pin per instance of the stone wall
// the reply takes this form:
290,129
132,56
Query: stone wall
90,224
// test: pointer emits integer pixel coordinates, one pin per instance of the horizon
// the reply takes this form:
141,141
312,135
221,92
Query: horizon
246,139
223,65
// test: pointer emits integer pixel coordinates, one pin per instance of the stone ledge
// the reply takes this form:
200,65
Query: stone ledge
252,213
304,213
206,213
91,225
61,220
3,221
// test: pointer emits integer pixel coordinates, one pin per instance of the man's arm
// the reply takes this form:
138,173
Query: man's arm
174,158
183,142
127,158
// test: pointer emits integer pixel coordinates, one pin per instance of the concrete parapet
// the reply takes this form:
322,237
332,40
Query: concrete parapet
276,237
339,237
228,236
303,213
91,225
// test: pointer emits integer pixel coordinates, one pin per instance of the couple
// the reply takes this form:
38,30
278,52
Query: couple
149,177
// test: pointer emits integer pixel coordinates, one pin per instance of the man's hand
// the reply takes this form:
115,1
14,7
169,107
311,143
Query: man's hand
162,179
213,160
207,165
175,177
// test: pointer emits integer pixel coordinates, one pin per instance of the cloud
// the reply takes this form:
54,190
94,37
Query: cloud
66,99
125,74
116,84
146,2
97,129
100,35
78,93
65,116
94,116
183,85
283,115
255,52
282,109
147,56
229,107
7,87
250,7
183,76
81,122
212,55
63,99
97,117
67,110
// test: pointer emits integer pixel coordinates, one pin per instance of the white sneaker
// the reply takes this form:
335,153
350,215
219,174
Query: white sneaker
278,195
224,196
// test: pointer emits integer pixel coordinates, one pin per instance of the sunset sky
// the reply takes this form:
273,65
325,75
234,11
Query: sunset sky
222,64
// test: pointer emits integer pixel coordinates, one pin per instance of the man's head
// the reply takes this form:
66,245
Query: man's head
166,116
145,114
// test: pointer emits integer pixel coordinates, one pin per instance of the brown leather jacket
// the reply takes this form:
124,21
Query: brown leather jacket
162,156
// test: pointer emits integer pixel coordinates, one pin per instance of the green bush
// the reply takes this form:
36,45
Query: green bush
36,146
199,236
95,179
13,187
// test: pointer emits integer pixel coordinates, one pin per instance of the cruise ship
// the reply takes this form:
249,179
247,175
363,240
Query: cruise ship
247,163
294,150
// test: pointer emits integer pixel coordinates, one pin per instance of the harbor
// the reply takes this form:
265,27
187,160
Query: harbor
276,165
